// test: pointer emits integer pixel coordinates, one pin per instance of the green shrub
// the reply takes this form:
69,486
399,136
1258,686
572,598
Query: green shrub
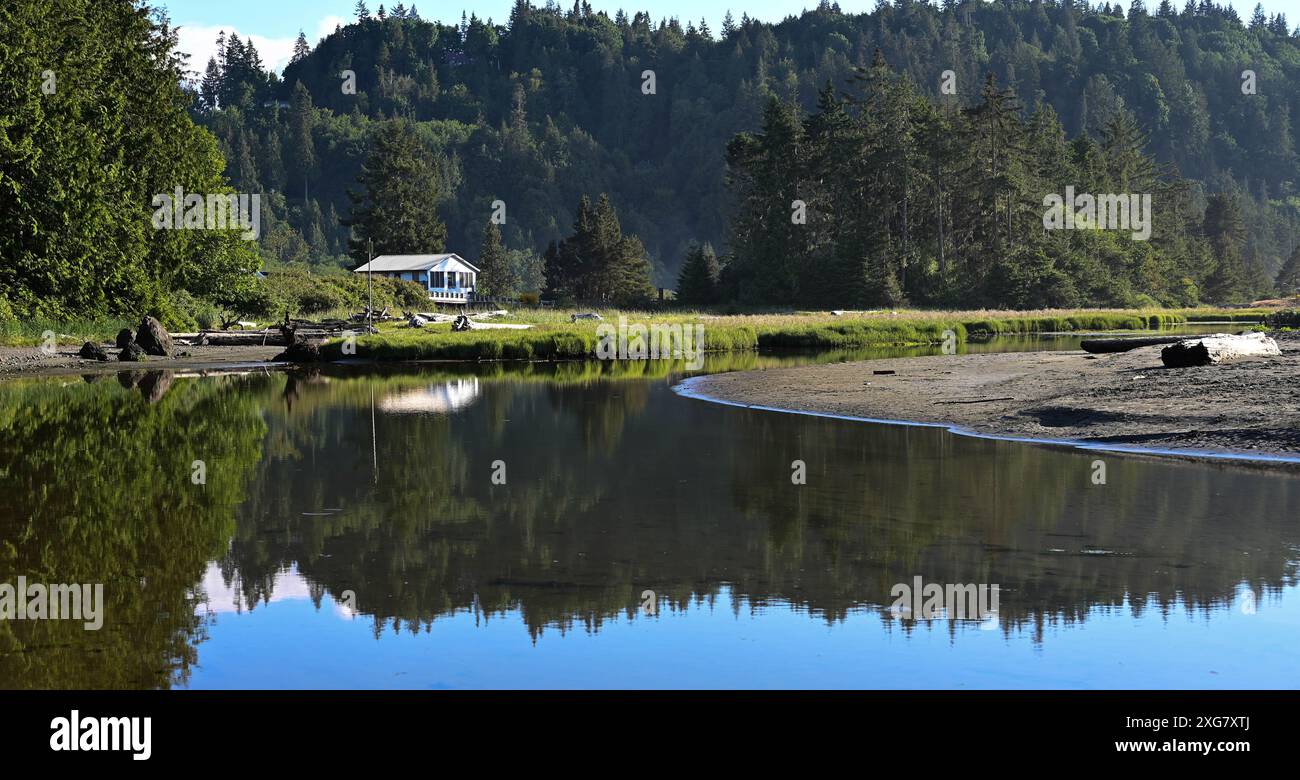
1286,318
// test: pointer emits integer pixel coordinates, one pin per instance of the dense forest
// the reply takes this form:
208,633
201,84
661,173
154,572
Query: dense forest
831,159
554,104
93,125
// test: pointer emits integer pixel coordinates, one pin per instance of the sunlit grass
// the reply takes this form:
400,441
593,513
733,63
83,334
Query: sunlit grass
555,335
32,333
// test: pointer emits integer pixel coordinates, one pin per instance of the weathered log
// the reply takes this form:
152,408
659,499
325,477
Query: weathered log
463,323
1211,350
435,317
235,338
1101,346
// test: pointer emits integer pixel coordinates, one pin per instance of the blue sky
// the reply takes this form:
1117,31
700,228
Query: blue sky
274,24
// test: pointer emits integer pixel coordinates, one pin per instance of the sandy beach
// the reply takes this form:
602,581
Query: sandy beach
1128,399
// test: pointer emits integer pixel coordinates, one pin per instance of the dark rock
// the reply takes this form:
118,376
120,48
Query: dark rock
300,352
92,351
124,337
129,379
154,385
131,353
153,338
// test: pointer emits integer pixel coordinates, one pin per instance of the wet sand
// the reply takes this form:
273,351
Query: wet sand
1127,399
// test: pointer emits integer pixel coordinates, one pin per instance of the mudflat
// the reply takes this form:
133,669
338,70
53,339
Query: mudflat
1128,398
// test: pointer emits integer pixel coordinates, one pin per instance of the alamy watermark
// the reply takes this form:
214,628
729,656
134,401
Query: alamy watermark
56,601
132,735
660,341
1130,212
922,600
230,211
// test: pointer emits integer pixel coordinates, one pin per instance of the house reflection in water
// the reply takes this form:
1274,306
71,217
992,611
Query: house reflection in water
442,398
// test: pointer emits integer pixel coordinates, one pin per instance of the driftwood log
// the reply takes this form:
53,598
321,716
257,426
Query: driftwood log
1102,346
463,323
1211,350
438,317
233,338
279,336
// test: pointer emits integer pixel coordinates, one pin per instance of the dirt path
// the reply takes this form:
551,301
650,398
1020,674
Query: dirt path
1126,398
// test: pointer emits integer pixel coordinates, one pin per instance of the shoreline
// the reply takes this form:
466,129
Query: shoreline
1127,403
1246,411
31,362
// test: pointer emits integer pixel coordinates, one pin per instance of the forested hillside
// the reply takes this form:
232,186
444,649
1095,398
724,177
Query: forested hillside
548,105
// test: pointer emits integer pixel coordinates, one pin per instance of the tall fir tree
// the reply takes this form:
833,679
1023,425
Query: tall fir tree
496,277
697,283
397,208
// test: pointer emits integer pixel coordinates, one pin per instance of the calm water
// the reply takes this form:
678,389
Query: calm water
350,533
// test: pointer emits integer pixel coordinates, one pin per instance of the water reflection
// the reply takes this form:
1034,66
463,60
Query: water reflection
379,483
438,398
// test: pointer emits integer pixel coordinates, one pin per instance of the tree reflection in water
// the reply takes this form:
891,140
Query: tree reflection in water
379,482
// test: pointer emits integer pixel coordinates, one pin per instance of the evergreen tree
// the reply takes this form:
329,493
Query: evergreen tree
496,277
1288,277
84,229
1224,229
597,263
210,88
300,48
398,206
698,280
768,239
303,146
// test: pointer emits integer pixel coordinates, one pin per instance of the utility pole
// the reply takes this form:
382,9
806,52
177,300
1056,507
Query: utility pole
370,283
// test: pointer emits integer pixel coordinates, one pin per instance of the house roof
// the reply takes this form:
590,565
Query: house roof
394,263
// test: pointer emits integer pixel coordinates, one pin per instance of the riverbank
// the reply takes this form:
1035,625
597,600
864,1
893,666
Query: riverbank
553,336
1126,399
28,361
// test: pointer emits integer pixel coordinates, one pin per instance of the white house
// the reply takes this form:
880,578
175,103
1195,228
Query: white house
449,278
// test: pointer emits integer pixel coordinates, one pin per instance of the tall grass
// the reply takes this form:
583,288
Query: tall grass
1247,315
30,333
555,337
1074,322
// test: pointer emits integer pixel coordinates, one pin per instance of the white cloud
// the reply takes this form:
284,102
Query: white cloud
200,42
